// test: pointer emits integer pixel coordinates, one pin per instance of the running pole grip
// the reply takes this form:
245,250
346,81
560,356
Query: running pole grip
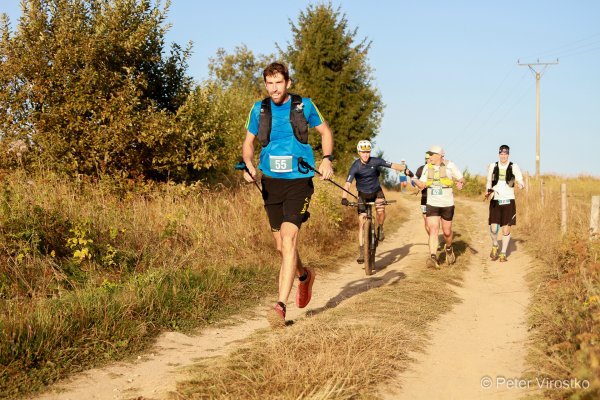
306,165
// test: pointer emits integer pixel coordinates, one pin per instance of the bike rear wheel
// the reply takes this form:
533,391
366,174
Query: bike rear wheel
369,237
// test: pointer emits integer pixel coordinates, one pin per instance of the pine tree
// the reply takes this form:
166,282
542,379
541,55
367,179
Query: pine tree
330,67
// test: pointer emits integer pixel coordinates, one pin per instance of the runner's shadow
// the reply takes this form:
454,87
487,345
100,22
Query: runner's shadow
358,287
391,256
512,245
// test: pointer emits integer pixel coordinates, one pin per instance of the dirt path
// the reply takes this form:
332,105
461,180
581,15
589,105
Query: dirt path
484,335
477,350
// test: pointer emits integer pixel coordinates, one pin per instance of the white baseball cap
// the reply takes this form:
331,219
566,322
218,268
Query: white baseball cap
437,150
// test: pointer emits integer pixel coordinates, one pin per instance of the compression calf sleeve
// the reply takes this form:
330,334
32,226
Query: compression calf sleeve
494,233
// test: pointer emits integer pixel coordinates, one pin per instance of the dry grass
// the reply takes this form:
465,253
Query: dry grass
565,311
342,353
155,257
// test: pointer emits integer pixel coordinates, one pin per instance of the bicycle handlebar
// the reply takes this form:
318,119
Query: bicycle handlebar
370,203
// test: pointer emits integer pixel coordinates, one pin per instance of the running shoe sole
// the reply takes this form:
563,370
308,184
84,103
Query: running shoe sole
450,257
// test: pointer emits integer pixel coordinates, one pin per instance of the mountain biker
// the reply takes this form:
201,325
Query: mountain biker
281,123
366,171
438,178
500,184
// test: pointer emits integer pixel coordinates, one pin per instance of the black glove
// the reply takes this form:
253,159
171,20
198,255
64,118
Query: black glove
345,201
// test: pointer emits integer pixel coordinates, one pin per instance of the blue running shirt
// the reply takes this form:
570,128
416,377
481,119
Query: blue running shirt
367,175
280,158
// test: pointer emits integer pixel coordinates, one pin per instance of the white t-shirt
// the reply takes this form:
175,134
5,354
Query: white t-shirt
502,191
438,196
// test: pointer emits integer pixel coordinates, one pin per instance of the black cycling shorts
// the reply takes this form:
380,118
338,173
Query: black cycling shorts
447,213
286,200
366,198
503,214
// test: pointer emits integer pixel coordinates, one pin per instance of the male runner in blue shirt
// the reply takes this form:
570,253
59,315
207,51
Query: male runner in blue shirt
281,124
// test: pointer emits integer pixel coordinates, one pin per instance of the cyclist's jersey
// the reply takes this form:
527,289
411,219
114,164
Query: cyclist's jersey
280,158
502,191
367,175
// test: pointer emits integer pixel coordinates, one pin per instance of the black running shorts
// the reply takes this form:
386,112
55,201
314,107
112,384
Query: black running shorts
447,213
367,198
424,202
286,200
503,214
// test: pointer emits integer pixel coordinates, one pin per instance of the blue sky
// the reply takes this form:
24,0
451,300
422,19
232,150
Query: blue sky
447,71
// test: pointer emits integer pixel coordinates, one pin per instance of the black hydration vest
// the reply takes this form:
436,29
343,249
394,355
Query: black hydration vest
297,119
510,178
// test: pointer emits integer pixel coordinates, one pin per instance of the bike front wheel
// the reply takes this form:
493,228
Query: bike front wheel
369,238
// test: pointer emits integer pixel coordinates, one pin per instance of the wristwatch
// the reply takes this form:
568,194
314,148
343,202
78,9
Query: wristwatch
330,157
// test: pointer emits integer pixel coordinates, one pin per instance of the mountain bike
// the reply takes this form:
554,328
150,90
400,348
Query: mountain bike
370,238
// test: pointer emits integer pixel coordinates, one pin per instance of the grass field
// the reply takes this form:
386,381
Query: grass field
565,311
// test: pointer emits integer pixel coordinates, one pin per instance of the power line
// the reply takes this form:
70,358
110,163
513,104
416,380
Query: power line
567,47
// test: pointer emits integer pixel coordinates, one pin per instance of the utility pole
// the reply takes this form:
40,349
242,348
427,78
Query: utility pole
538,76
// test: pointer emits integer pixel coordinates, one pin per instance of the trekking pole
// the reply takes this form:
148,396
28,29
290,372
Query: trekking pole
307,167
241,166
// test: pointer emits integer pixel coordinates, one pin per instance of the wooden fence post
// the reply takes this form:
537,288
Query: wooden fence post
563,208
594,217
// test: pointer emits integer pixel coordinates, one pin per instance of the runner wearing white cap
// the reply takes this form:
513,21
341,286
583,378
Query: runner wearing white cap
439,177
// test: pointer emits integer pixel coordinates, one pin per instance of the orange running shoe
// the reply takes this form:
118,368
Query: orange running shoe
276,316
304,291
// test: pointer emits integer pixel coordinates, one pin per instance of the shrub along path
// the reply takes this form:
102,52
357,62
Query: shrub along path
484,335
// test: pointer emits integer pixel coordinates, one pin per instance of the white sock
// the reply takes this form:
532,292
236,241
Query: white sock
505,240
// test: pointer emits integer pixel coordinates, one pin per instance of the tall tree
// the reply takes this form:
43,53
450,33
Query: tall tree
85,85
331,68
241,70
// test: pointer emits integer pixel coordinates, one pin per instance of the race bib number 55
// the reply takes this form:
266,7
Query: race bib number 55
280,163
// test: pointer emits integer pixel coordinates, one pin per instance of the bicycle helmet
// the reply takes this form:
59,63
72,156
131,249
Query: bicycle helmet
363,145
